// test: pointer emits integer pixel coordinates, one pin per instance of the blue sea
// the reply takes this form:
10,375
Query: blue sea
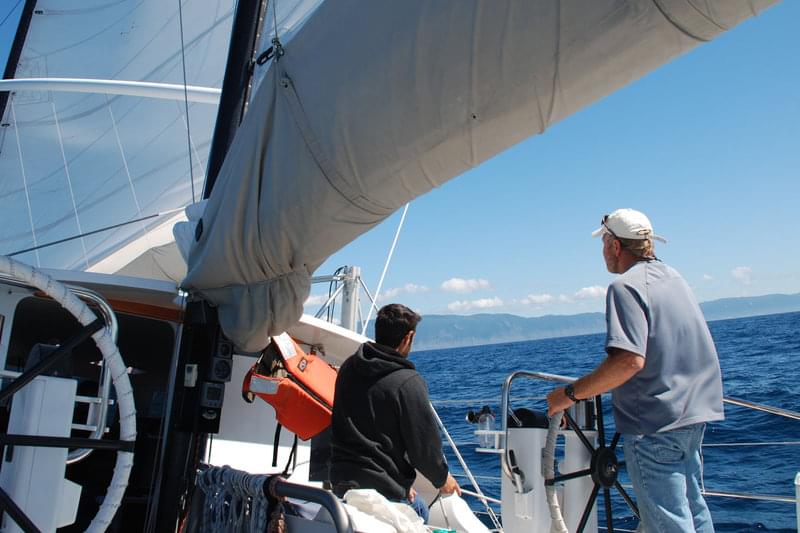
759,358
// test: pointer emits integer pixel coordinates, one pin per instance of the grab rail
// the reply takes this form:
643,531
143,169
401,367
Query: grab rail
786,413
100,410
504,457
97,410
341,520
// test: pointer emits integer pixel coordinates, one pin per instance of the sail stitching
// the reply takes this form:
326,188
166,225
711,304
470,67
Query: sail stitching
25,183
69,181
124,159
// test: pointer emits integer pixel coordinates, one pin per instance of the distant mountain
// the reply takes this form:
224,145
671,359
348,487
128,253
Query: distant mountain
447,331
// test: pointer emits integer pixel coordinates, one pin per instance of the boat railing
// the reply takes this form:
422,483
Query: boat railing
98,406
234,500
505,460
542,376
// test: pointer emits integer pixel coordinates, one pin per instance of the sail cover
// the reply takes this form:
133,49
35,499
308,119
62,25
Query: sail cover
376,103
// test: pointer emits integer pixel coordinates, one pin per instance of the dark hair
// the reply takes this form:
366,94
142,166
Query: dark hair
393,322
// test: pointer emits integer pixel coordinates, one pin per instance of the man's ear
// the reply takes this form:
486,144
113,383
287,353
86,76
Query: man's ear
405,344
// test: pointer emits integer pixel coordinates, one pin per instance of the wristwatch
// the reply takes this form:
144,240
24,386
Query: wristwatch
569,390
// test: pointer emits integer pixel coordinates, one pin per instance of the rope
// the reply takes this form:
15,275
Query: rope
234,501
548,460
107,228
373,305
186,102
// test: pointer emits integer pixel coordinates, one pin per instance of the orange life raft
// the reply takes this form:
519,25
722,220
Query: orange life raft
299,386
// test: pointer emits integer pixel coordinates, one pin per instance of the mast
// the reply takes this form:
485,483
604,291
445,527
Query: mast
236,84
184,439
16,50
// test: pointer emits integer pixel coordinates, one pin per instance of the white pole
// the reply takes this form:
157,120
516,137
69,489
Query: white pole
350,300
797,498
169,91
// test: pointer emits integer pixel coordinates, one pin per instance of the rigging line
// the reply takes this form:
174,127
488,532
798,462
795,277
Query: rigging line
275,18
768,443
192,144
93,232
373,305
186,102
69,182
10,13
25,183
463,464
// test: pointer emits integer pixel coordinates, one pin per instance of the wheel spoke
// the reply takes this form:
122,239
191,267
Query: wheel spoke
627,499
42,366
615,440
588,510
609,516
45,441
566,477
601,433
17,515
578,432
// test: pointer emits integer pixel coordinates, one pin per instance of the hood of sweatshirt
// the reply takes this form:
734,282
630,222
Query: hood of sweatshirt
375,360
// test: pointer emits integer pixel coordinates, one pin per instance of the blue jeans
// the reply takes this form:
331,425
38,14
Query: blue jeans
418,505
665,471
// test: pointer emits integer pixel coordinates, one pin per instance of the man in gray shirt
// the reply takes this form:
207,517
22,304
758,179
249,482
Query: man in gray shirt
664,373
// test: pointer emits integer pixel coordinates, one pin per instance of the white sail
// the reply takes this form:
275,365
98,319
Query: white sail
78,156
376,103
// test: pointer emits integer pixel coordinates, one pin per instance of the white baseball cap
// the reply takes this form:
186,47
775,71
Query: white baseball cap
627,224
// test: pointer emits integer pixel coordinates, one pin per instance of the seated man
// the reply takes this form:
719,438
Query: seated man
383,427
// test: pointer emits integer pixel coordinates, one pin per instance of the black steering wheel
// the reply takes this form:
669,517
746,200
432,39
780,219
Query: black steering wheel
603,469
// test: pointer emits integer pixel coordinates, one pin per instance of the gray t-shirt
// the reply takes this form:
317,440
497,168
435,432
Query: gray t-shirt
651,311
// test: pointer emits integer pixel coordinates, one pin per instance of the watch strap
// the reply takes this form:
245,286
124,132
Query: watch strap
569,390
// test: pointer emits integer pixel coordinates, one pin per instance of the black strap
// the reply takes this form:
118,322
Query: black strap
275,443
292,458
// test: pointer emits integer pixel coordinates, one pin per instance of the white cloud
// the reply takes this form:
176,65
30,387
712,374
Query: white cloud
537,299
468,305
465,285
316,299
563,298
591,293
707,278
408,288
742,274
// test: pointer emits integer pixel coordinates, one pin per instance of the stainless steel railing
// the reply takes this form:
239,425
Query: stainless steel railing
98,408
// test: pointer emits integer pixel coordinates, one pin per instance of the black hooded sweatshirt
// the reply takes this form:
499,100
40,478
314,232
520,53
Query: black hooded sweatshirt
383,426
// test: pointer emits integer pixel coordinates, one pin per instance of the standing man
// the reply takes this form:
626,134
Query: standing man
664,373
383,427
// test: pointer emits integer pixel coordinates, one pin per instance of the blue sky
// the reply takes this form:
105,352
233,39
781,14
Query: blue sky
708,146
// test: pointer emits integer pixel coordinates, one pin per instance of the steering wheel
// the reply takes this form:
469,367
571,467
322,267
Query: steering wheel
603,469
94,327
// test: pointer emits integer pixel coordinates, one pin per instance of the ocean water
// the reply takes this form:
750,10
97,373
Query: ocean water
759,358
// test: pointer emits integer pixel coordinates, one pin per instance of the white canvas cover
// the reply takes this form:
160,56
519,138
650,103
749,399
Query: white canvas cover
376,103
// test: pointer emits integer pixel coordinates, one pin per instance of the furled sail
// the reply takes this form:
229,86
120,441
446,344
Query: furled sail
376,103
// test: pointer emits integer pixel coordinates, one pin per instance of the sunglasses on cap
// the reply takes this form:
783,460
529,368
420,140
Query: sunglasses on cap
609,230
